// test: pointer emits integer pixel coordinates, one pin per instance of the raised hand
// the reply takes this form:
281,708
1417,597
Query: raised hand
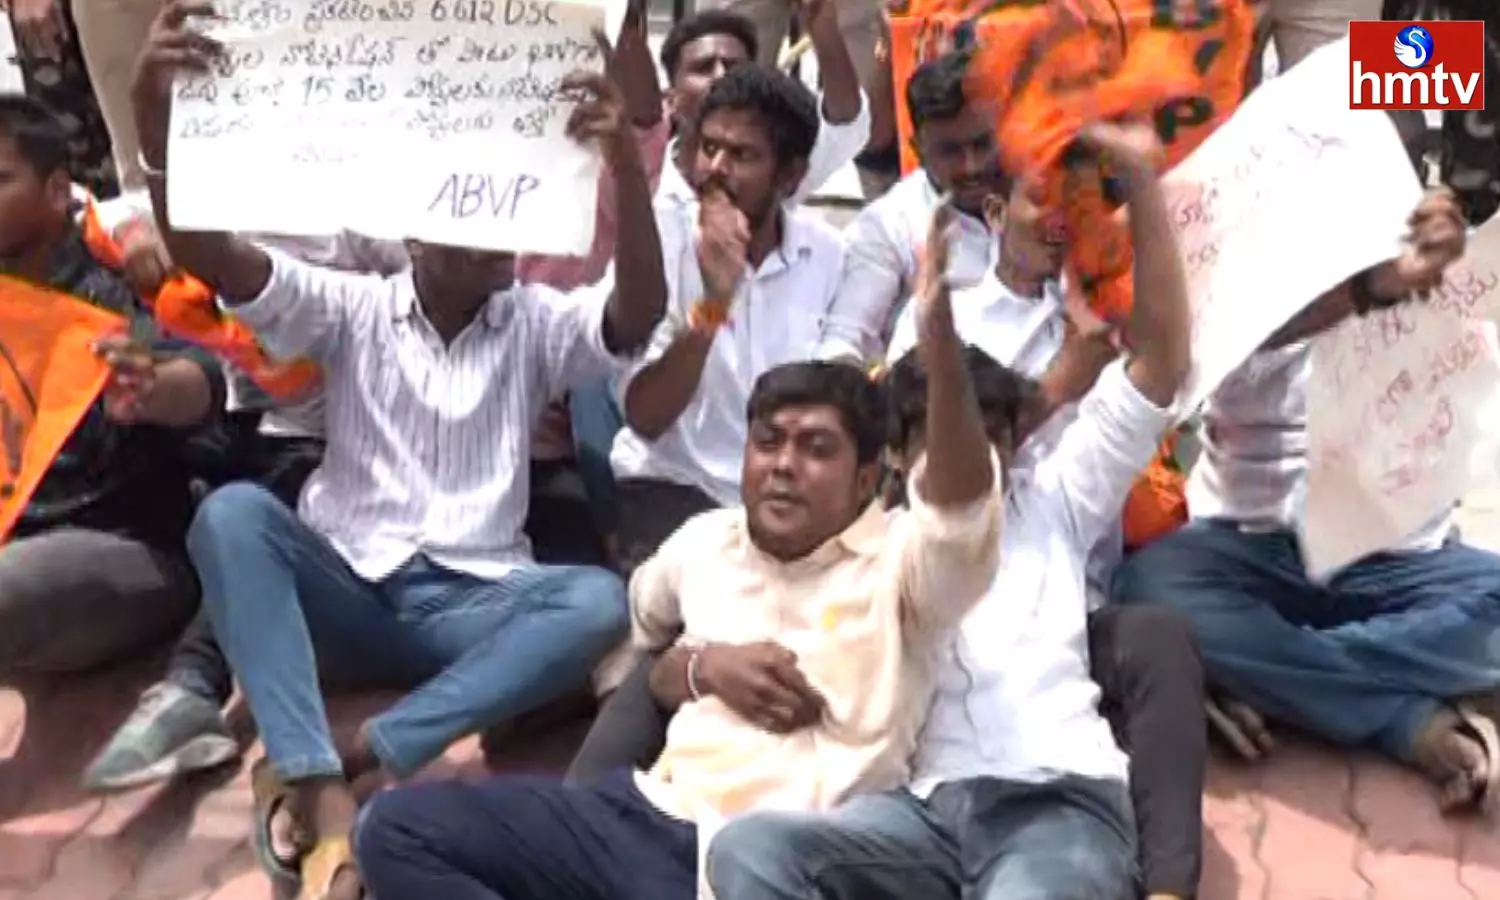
599,118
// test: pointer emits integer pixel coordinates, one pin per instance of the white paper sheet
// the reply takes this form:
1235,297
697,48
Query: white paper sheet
432,119
1404,414
1291,196
11,79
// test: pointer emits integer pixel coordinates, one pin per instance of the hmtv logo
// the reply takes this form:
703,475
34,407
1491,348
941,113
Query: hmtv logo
1416,65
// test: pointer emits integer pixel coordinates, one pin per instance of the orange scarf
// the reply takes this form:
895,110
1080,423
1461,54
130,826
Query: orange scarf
185,307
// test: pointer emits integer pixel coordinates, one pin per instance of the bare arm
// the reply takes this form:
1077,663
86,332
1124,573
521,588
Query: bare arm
661,390
841,91
640,294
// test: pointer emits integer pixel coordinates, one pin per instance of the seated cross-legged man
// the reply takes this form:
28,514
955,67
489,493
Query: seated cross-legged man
1019,790
405,560
94,570
810,616
749,282
1387,651
1143,657
698,51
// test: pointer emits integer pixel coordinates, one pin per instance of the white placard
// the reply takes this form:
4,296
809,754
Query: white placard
1404,414
433,119
1291,196
11,79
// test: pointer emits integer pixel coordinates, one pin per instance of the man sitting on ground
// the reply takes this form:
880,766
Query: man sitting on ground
94,571
748,288
406,560
1019,790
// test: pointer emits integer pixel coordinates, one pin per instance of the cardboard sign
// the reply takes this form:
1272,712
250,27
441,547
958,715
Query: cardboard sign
49,377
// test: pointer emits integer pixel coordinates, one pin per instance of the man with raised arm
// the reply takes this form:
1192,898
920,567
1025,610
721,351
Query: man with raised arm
406,559
1019,791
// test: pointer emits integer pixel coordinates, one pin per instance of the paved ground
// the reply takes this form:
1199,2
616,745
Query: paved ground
1309,825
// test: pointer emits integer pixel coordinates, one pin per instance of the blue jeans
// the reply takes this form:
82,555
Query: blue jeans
1366,659
981,839
595,418
285,605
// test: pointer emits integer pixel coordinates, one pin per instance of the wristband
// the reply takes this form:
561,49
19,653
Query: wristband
692,674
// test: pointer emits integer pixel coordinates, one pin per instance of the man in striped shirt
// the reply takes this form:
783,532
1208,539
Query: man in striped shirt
406,561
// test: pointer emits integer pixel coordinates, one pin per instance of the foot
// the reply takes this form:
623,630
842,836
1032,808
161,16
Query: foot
172,731
1452,756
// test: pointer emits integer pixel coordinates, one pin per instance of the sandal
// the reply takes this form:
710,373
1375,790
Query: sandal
322,866
1482,729
270,794
1249,744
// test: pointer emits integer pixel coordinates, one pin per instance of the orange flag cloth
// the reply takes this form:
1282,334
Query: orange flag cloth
185,308
1052,67
49,377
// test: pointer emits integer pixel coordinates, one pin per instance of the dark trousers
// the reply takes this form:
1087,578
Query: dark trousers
518,837
1147,667
650,510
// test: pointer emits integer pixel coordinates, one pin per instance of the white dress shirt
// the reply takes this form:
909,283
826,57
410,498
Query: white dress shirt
836,146
428,445
776,317
1253,469
1015,699
884,244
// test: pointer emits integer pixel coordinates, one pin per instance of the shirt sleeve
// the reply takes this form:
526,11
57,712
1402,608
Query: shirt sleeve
836,147
874,280
572,335
1101,453
949,555
655,604
306,310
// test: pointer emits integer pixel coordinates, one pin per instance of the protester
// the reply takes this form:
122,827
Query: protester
406,560
773,268
1386,652
696,53
56,74
859,25
1147,667
94,571
955,141
809,562
1018,787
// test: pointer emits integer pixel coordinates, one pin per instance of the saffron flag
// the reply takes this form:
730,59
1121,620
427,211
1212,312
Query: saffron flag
49,377
1052,67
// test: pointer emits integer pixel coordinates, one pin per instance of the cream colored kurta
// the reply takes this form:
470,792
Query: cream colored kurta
864,614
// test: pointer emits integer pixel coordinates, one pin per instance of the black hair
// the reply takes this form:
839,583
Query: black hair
39,136
788,108
859,400
935,90
701,25
1003,395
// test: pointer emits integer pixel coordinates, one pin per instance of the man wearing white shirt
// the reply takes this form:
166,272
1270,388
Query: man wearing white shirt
1018,788
769,270
696,53
406,561
1387,651
955,141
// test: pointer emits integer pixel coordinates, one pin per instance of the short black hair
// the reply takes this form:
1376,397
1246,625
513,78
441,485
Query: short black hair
785,104
935,90
1003,395
38,134
860,401
701,25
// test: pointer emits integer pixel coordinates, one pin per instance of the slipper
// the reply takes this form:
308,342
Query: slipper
1482,729
270,794
1230,731
322,865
